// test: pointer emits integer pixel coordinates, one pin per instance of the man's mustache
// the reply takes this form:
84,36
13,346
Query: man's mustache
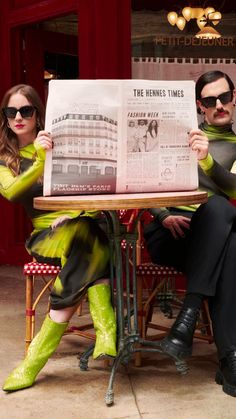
221,111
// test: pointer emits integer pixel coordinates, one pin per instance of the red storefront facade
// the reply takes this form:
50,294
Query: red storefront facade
103,48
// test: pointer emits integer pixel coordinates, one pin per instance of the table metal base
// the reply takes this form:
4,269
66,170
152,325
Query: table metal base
125,301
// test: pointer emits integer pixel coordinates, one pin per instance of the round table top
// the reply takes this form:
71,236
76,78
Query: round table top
120,201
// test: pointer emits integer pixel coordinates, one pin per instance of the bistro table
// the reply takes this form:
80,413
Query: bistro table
129,340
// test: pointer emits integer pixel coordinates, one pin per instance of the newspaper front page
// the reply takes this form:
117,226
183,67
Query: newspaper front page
120,136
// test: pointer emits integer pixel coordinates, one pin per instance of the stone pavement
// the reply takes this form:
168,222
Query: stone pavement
62,391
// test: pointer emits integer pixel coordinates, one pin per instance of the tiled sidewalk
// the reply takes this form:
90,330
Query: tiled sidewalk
62,391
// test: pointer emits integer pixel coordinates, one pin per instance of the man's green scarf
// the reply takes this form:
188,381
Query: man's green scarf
218,133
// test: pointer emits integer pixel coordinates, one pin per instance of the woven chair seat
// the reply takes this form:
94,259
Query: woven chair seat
36,268
153,269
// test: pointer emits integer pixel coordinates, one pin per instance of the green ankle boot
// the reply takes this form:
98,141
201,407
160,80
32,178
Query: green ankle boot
40,349
104,320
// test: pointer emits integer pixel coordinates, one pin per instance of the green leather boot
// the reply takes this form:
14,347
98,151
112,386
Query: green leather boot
40,349
104,320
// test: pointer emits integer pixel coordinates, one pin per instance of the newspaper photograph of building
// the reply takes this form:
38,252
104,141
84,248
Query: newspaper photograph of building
85,153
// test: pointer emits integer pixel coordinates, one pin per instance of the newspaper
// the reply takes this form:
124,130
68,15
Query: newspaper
120,136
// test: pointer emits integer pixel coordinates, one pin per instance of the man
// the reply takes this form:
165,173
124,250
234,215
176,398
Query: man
203,243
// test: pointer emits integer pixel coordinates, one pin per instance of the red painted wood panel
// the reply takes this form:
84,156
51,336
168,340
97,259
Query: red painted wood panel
14,229
36,11
104,39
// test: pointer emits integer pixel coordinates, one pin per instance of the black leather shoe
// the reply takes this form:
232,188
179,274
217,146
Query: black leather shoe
226,375
178,344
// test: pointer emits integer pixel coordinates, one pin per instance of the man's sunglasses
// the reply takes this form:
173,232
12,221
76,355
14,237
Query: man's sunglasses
210,101
25,111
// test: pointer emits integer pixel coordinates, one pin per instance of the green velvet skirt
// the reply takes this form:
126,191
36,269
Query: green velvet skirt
81,248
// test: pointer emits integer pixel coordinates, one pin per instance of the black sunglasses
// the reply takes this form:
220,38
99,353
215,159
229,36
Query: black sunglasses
210,101
25,111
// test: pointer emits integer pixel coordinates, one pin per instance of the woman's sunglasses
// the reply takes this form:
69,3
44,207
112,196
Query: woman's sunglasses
210,101
25,111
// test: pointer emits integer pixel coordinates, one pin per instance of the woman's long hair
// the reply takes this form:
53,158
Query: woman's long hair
152,128
9,147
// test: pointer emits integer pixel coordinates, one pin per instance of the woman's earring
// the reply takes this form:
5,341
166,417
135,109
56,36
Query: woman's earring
38,124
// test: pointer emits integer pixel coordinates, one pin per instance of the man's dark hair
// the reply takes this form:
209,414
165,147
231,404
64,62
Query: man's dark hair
210,77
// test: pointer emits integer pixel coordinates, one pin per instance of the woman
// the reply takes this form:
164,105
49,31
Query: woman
71,239
152,142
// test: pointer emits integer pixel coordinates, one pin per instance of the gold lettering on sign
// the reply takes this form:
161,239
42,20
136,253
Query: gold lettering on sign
195,42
